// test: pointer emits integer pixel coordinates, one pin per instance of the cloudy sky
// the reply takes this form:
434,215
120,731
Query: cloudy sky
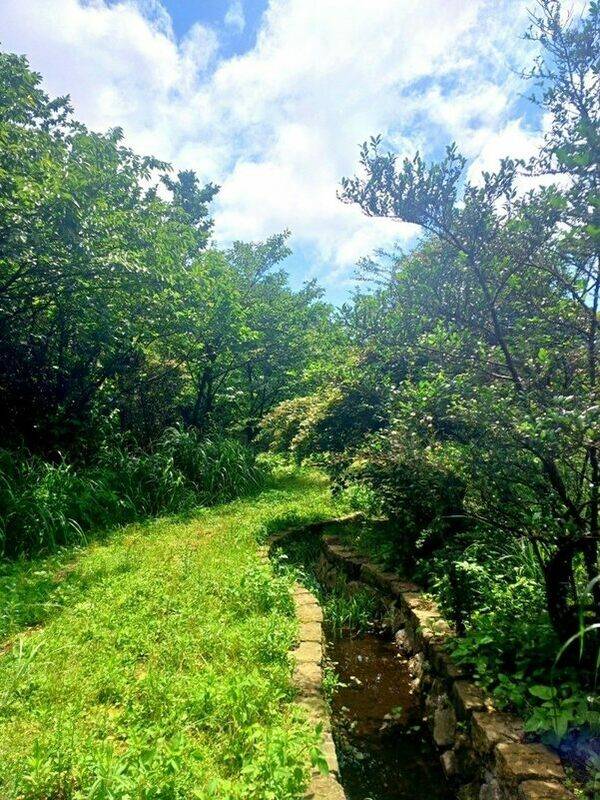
270,98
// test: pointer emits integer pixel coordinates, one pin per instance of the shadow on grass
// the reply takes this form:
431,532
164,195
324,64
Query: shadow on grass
35,589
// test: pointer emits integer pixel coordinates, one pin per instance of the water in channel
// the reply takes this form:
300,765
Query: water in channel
383,747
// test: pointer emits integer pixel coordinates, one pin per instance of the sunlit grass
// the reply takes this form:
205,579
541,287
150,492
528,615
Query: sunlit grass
158,664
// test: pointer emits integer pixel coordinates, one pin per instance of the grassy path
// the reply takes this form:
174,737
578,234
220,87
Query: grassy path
154,665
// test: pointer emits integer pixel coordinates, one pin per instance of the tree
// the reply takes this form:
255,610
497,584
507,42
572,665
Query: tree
516,348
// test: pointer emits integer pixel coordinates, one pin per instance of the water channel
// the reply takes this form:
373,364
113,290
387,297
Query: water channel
384,747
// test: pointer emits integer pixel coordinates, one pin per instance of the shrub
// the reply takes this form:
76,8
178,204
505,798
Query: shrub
48,505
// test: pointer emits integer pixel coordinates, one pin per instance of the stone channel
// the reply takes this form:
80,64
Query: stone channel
482,751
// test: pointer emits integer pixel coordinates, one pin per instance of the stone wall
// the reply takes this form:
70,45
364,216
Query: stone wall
308,678
482,750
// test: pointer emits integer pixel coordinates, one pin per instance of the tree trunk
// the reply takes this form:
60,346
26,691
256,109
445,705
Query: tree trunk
558,576
203,404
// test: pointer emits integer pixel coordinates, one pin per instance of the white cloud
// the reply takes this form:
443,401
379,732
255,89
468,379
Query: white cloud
512,140
280,125
235,18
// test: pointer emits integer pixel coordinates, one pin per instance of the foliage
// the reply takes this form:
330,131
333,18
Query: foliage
501,325
347,610
363,498
121,325
457,393
482,344
114,309
331,682
44,506
472,363
350,613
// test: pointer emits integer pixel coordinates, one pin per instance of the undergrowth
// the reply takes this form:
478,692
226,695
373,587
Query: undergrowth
347,609
46,505
495,592
158,667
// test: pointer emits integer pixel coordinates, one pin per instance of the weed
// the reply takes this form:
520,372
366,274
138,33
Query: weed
44,506
162,668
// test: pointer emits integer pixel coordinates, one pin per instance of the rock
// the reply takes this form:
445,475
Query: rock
423,620
354,565
330,753
316,709
416,667
429,626
393,614
304,598
310,632
307,652
442,660
444,724
490,728
325,787
411,600
402,587
338,555
527,762
411,637
378,577
543,790
346,560
308,677
328,578
490,790
469,792
402,641
448,760
310,613
433,696
430,706
467,765
468,698
322,566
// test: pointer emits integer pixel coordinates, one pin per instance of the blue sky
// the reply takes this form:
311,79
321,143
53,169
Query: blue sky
235,39
271,98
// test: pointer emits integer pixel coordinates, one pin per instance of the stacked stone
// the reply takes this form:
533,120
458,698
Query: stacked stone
308,678
482,749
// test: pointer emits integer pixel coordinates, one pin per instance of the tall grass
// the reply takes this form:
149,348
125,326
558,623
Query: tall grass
47,505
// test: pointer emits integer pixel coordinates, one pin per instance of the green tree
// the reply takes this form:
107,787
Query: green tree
515,281
87,259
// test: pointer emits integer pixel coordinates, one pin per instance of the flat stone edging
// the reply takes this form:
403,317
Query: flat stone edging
308,678
482,750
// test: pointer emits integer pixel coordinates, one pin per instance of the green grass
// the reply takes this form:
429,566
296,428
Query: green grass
158,663
44,506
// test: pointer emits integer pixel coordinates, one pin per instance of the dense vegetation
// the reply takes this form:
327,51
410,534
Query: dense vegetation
124,336
467,405
142,369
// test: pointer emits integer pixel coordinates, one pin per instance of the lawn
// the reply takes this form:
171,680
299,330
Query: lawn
153,664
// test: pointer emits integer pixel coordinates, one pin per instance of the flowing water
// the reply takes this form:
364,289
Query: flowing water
384,749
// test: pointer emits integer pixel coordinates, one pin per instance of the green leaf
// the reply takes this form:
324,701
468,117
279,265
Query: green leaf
543,692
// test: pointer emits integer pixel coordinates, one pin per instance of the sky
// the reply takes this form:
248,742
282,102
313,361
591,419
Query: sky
271,99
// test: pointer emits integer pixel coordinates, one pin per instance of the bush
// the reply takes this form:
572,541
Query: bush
48,505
